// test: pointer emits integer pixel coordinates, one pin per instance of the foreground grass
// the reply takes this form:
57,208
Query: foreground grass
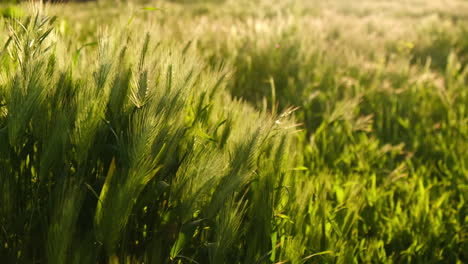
123,138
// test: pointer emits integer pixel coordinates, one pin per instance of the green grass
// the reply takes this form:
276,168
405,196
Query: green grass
234,132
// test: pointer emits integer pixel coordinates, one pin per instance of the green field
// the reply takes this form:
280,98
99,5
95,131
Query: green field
235,131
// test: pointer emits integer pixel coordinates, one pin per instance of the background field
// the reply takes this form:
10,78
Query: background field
234,132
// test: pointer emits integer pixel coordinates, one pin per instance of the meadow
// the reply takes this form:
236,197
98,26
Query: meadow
234,131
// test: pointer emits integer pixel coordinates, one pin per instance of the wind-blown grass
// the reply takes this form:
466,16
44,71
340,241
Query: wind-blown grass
171,135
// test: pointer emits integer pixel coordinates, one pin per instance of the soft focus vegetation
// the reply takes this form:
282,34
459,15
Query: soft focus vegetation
234,131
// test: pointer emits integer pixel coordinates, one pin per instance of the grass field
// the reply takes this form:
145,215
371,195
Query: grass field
235,131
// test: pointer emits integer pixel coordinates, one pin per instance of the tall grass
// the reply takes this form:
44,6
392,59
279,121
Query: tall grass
224,133
141,150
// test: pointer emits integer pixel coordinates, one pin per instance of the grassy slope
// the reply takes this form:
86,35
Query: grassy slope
378,172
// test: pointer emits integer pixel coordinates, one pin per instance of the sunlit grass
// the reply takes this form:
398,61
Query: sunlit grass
234,132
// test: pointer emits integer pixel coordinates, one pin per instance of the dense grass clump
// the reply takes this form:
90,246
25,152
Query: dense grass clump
233,132
141,149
